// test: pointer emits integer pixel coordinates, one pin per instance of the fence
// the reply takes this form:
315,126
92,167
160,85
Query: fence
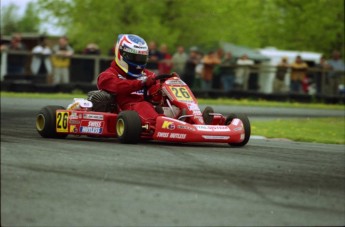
84,70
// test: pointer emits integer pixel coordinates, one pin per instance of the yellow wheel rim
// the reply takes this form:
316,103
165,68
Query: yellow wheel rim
120,127
40,122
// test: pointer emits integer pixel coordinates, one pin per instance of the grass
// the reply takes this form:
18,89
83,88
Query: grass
319,130
220,101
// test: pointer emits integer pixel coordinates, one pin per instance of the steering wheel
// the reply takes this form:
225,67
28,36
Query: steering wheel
165,76
159,77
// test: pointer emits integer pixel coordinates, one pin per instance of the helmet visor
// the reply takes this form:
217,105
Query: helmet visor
139,59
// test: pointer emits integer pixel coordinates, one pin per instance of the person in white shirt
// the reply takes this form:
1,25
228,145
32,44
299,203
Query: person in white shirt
243,71
41,63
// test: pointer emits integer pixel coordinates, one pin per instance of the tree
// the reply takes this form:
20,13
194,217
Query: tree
11,22
315,25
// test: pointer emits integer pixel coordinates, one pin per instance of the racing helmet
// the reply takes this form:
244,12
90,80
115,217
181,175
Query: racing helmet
131,54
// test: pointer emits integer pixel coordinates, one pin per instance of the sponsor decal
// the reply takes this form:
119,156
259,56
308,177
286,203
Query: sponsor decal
197,112
121,77
168,125
74,122
73,128
212,128
171,135
175,82
95,127
242,136
73,116
237,129
193,107
216,137
163,134
93,116
177,136
235,122
93,130
140,92
186,127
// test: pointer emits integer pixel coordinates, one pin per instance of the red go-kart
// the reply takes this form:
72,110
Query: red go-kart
180,119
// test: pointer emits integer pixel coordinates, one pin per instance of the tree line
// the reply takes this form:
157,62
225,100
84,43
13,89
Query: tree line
313,25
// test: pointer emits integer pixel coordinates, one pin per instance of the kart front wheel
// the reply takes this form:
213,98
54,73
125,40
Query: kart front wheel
128,127
207,115
246,125
46,122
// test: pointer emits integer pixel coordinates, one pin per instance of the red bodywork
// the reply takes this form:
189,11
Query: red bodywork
185,125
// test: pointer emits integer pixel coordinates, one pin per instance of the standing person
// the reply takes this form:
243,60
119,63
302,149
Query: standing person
189,68
243,71
41,63
61,60
165,63
16,62
227,72
338,67
179,60
279,85
154,57
92,49
126,77
210,61
320,76
298,74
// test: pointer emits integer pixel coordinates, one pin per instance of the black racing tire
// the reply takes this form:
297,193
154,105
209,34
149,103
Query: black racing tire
246,125
128,127
206,115
46,122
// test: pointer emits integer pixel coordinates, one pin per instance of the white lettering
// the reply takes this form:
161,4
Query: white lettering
163,134
91,130
177,136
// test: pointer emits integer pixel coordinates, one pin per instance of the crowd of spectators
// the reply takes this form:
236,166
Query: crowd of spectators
215,69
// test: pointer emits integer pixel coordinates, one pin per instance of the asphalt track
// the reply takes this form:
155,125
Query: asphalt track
84,181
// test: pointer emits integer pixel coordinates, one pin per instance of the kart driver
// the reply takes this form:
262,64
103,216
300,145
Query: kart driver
126,77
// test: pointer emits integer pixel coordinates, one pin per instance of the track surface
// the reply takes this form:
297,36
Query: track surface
96,182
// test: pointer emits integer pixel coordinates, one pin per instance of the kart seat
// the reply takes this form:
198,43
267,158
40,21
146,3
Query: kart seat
102,101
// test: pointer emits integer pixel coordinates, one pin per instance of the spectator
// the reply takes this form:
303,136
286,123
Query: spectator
279,85
210,61
92,49
61,61
189,69
338,68
165,63
16,62
41,63
179,60
216,80
199,68
154,57
243,71
298,74
226,72
321,79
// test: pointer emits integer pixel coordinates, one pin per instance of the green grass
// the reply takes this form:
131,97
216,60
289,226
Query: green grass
319,130
221,101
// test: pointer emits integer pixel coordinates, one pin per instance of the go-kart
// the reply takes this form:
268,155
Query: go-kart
179,120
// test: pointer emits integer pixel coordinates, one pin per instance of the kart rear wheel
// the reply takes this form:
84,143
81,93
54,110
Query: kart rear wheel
46,122
206,115
246,125
128,127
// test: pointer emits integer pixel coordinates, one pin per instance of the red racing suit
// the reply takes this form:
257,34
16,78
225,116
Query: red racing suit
128,91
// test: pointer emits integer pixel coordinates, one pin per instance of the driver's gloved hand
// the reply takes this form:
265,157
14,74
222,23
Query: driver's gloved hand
148,81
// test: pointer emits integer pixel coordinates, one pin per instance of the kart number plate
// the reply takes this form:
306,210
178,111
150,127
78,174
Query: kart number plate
62,121
181,93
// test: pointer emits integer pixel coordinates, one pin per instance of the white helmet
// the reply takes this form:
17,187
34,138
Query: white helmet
131,54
